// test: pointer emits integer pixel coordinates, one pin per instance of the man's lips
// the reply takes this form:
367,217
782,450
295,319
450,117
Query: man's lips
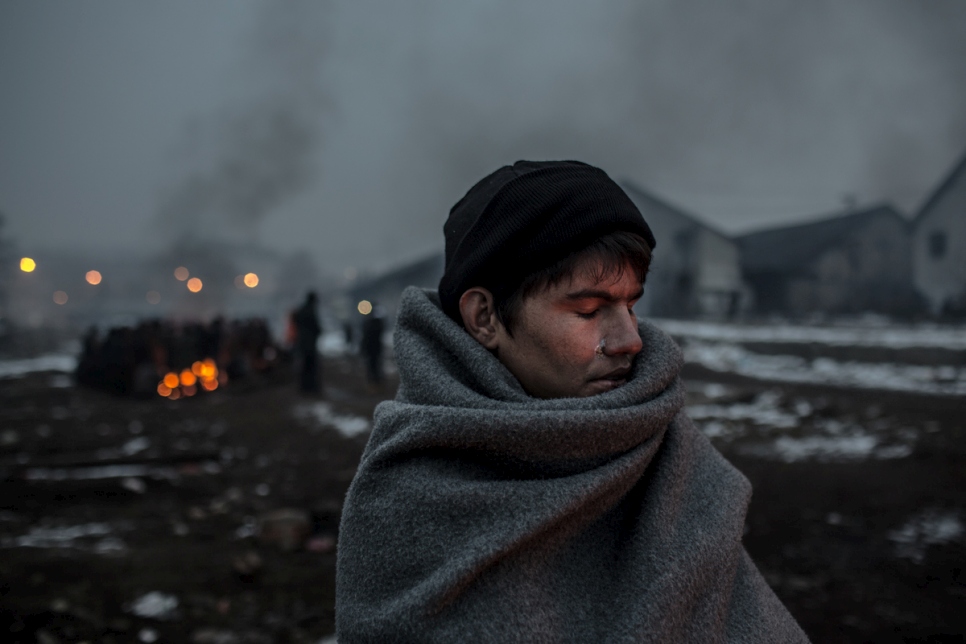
617,375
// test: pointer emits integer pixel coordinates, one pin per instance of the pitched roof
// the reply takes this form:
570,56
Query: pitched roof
646,200
421,272
790,247
940,191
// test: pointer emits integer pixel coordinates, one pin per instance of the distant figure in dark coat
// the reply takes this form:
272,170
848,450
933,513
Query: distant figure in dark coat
371,344
307,331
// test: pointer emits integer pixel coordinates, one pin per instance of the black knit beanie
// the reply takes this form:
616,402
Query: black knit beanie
525,217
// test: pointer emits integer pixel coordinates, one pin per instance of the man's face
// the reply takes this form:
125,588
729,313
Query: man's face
556,349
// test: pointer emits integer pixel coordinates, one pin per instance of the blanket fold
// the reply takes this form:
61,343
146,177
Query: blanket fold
479,513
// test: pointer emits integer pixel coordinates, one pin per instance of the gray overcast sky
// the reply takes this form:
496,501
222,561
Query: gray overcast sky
348,128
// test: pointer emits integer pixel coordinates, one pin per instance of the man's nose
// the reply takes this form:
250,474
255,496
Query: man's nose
623,337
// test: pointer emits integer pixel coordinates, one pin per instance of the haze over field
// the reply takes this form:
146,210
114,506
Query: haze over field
349,128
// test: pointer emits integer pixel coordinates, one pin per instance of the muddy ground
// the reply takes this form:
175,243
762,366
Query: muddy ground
138,520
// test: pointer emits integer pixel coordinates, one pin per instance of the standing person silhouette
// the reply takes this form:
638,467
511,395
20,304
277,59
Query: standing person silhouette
307,332
371,344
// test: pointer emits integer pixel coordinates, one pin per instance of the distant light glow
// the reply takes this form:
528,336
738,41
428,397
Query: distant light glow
181,273
251,280
175,394
187,378
153,297
27,265
189,390
365,307
194,285
60,297
93,277
171,380
209,374
197,369
164,389
208,368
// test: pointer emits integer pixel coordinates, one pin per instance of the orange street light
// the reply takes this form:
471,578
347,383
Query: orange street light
365,307
251,280
93,277
194,285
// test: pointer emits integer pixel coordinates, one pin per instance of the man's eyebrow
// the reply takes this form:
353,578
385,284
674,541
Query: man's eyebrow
597,294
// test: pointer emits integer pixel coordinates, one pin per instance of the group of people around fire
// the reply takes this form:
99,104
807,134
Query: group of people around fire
132,360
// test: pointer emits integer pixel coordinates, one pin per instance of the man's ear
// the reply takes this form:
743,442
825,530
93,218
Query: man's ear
479,316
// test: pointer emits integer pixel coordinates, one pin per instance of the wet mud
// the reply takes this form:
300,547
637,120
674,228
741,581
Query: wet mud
214,519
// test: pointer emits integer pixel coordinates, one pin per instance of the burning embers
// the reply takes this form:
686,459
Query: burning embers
203,375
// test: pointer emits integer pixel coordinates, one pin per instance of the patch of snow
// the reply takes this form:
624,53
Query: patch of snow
348,425
57,537
60,381
773,428
110,546
134,484
844,448
826,449
155,605
928,528
85,473
731,358
332,344
893,337
50,362
121,471
763,411
135,445
715,390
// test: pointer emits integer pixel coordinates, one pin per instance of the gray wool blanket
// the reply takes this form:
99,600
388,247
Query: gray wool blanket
480,514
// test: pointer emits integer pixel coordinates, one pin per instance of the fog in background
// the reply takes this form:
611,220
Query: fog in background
347,129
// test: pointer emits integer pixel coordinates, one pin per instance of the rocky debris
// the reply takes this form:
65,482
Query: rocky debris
247,566
285,528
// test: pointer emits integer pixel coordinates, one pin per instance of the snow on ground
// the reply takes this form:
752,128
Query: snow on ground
774,427
50,362
893,337
732,358
332,344
930,527
94,536
348,425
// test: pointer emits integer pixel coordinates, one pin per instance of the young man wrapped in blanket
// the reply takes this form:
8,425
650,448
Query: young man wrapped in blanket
536,478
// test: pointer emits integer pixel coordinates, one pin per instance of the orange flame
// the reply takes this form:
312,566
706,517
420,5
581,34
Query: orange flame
187,378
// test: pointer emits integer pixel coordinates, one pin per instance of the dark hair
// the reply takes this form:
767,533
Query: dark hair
616,251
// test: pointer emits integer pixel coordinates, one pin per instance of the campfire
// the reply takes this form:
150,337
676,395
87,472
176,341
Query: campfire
203,375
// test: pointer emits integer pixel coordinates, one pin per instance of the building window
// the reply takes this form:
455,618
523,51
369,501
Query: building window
937,244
